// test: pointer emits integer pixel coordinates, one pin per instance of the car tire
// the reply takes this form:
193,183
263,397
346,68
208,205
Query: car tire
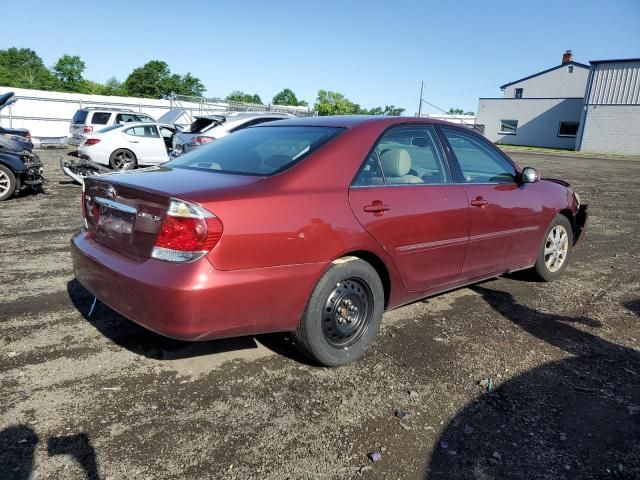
557,244
123,159
343,313
8,183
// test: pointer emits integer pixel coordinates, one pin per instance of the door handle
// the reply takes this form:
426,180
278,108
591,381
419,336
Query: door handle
479,202
134,141
377,207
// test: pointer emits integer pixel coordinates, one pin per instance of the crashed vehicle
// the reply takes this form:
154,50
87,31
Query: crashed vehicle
19,168
19,135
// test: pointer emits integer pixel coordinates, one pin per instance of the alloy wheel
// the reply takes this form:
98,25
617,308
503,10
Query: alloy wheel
5,183
124,160
556,248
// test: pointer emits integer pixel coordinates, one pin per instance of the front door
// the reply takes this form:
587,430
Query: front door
404,198
505,215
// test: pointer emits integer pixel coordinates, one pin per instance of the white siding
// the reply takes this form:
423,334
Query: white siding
556,83
538,120
612,129
616,83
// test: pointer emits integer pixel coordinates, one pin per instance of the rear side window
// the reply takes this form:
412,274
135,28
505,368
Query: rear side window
146,131
258,151
404,155
100,118
145,119
478,161
79,117
126,118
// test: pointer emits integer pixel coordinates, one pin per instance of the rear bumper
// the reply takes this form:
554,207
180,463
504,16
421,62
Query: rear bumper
194,301
74,140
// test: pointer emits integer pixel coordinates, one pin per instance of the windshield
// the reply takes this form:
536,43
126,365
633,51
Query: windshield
257,151
79,117
112,127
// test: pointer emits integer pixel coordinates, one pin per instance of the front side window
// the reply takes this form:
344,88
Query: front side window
406,154
144,119
518,93
260,151
508,127
568,129
143,131
100,118
479,162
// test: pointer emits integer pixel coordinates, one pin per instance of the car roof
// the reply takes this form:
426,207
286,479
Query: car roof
350,121
142,124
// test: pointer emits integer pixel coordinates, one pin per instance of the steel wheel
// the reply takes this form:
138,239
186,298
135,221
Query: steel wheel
5,183
347,312
556,248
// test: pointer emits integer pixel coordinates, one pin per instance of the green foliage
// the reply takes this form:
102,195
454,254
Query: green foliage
155,80
287,97
23,68
239,96
69,71
113,87
334,103
459,111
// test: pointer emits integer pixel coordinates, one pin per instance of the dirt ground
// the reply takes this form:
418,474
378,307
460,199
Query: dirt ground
98,397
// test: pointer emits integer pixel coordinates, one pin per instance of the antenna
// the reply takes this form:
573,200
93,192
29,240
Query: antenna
421,100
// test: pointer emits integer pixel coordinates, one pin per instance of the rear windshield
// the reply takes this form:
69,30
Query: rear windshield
79,117
257,151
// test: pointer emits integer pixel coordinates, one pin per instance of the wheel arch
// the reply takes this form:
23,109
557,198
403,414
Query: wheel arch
380,267
572,220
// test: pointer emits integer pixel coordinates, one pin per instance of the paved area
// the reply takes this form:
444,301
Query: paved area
98,397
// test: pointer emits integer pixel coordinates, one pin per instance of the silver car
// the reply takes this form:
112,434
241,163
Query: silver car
208,128
91,119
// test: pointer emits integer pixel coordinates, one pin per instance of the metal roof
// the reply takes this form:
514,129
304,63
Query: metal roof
576,64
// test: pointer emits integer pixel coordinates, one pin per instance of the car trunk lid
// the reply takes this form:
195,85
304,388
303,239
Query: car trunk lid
124,211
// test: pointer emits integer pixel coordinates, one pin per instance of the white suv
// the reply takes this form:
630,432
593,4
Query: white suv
211,127
92,119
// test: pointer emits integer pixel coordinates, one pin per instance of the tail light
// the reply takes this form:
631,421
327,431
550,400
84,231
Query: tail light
201,140
84,206
92,141
87,129
188,232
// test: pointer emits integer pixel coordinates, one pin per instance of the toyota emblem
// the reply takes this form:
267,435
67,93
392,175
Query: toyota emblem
111,192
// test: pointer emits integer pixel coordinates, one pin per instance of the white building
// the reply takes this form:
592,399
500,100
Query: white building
542,110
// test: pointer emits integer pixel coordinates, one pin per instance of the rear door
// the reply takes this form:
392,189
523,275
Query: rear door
506,215
404,197
146,143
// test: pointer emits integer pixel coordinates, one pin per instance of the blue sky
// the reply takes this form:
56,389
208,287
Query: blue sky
376,53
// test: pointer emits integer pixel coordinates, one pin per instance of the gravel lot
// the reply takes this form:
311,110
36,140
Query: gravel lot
99,397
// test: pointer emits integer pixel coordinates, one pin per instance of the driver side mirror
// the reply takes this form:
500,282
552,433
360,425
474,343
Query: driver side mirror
530,175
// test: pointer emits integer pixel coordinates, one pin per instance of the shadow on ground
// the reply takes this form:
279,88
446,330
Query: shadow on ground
141,341
577,418
17,449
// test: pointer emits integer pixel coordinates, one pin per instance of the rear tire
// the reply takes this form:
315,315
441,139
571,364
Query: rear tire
123,159
343,314
8,183
555,251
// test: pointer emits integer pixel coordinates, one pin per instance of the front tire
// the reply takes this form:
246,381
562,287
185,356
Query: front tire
8,183
343,314
555,250
123,159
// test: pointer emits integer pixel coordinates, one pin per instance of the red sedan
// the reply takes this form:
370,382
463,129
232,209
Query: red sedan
316,226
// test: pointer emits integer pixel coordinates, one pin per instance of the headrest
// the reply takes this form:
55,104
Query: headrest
396,162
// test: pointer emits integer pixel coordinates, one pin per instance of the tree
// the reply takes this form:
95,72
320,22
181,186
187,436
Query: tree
459,111
23,68
113,87
334,103
389,110
154,80
287,97
69,71
240,96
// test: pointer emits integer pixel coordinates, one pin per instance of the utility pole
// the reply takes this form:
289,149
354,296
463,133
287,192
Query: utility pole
420,103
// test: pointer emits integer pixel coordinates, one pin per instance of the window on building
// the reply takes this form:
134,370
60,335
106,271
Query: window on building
570,68
518,93
568,129
508,127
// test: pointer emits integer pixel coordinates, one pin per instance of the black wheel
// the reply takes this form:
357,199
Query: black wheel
555,250
123,159
8,183
343,314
